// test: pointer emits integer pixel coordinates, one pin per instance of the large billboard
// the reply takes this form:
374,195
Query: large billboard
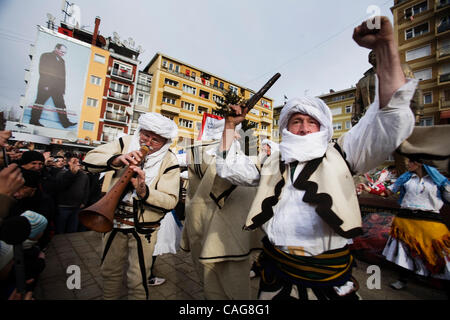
55,91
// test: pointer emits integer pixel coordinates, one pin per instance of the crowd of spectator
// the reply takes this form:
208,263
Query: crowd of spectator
41,194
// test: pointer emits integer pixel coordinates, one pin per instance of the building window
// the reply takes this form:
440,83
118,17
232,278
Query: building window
336,111
144,79
201,110
122,70
265,103
203,94
91,102
185,123
418,53
263,126
116,112
171,82
171,66
348,109
168,100
233,89
168,116
89,126
418,8
96,80
188,106
443,24
218,99
119,87
337,126
254,124
417,31
110,133
214,112
426,122
425,74
189,89
348,125
142,99
99,58
427,97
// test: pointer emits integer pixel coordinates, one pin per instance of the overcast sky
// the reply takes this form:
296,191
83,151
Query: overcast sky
244,41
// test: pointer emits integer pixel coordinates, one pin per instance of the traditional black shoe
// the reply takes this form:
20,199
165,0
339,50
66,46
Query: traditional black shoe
68,124
36,123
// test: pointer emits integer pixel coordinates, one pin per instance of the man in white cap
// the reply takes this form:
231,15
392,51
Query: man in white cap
149,196
215,212
306,201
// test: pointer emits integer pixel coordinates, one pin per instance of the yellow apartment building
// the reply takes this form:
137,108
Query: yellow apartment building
341,104
422,30
183,93
276,134
93,94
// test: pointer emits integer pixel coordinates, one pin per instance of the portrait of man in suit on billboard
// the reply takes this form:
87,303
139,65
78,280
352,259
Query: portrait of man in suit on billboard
52,83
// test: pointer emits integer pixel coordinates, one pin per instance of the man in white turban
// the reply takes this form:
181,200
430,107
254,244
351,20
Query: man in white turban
306,202
151,194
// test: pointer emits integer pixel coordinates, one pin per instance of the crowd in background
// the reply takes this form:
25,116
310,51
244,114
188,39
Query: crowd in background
41,194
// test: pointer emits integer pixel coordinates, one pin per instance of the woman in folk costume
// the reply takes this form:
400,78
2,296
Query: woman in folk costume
306,200
149,196
215,212
419,240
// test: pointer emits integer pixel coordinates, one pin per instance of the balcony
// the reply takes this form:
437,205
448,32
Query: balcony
172,90
116,117
119,96
122,74
266,120
444,104
108,137
169,108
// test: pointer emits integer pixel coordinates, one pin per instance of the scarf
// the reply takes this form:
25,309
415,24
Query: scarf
314,145
438,179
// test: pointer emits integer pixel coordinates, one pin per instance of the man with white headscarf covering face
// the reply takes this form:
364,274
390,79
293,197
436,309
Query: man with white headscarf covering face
214,214
151,194
306,201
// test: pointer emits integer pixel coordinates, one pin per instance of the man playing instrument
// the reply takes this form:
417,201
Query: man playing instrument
145,201
306,201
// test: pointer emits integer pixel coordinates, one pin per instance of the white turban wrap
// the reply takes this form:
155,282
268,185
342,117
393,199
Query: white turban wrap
304,148
158,124
162,126
273,145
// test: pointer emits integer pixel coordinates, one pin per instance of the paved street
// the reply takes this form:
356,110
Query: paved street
83,249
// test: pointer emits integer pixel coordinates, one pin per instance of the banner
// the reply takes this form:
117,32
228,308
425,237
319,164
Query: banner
55,91
212,127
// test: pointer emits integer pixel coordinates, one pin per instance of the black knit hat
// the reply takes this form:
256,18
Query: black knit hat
29,156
